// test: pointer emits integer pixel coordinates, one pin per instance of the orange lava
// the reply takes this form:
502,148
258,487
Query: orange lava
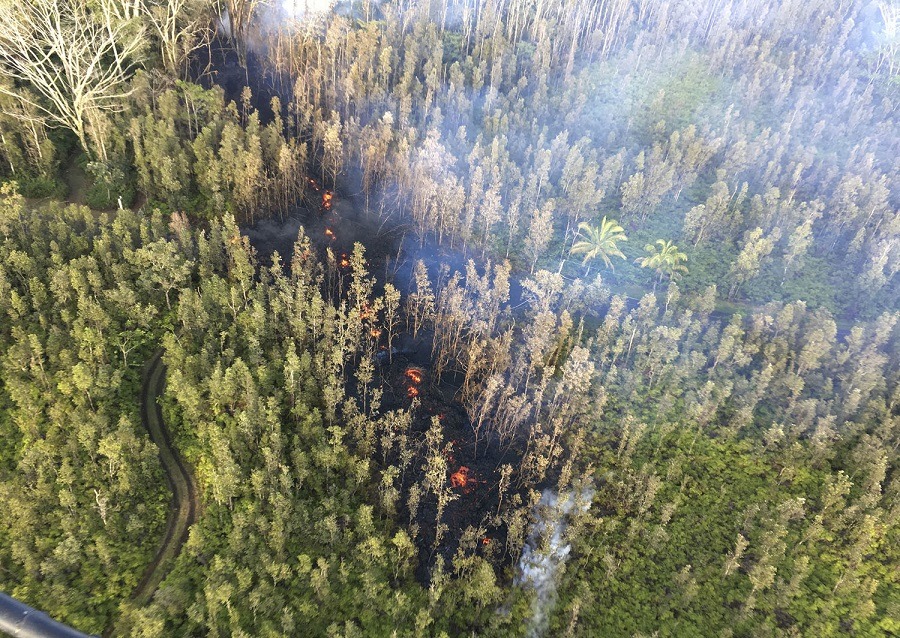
461,477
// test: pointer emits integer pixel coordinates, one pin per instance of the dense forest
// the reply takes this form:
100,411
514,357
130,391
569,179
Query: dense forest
478,317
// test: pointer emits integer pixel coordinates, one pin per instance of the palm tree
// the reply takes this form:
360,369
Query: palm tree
599,241
666,260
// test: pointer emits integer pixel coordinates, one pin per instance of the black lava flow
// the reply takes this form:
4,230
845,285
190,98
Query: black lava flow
332,221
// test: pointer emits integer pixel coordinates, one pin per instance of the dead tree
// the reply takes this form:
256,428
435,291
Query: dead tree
75,60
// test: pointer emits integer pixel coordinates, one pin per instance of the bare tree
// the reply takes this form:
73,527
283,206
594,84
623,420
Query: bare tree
180,27
123,10
75,59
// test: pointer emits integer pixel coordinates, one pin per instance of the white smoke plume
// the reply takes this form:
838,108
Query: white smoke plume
546,550
304,9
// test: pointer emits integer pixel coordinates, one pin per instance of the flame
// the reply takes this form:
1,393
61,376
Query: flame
412,392
461,477
330,234
486,541
366,311
313,183
327,196
345,261
375,332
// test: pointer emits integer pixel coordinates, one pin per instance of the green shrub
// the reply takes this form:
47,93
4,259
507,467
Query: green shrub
38,187
99,197
109,183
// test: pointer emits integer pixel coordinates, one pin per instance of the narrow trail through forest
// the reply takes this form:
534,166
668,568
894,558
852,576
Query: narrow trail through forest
185,497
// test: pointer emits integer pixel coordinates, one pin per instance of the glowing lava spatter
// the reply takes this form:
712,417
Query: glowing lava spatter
461,478
415,378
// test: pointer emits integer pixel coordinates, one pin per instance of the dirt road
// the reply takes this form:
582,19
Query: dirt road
185,498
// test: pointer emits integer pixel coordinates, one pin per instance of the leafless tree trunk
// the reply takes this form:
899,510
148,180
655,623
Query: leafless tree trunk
181,27
239,16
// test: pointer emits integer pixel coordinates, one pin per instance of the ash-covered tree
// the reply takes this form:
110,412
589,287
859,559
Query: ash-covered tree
757,246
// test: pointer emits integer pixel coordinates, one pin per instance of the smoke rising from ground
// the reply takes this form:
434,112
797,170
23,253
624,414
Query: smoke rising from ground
546,551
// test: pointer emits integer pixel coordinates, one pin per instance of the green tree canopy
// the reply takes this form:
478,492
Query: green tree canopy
665,258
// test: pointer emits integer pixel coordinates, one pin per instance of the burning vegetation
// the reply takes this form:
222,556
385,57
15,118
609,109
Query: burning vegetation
445,405
326,199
